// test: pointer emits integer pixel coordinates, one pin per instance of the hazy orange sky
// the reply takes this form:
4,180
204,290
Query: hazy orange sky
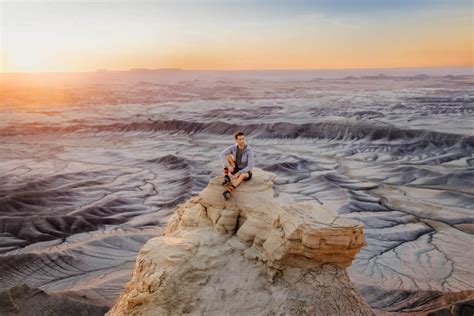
119,35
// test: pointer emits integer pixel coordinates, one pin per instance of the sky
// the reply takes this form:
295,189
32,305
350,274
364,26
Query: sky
68,36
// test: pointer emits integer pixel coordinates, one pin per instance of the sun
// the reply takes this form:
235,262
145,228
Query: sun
22,60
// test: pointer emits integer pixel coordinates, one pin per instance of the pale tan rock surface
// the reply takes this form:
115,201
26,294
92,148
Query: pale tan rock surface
251,255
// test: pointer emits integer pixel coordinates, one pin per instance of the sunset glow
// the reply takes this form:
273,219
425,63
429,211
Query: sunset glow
78,36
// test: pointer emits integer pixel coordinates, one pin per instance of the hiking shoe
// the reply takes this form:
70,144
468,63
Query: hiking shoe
226,194
226,181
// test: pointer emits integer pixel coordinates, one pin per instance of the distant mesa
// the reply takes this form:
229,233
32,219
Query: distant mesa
379,76
138,70
154,70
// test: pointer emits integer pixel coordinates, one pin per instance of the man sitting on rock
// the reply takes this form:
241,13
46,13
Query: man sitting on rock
238,160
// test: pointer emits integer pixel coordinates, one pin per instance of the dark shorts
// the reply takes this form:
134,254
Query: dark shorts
237,170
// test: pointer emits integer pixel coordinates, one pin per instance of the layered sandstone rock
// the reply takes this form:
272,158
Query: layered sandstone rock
250,255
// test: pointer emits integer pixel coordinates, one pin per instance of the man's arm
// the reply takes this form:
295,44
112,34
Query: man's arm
224,153
249,163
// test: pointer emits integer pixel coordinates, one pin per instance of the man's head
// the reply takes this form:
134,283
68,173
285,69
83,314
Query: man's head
239,138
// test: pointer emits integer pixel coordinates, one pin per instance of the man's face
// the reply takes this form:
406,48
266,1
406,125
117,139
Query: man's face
241,140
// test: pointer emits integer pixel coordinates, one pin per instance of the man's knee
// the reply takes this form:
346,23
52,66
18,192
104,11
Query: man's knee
230,157
244,175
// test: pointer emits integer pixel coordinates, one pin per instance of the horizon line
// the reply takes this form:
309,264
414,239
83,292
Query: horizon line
236,70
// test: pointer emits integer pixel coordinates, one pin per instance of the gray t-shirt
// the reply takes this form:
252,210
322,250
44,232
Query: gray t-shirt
238,155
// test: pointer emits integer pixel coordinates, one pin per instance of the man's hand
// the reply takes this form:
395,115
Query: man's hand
231,169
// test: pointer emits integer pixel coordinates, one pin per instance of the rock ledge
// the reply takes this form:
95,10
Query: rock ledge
252,254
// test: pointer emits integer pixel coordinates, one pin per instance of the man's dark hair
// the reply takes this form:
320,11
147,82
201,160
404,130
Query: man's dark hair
237,134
